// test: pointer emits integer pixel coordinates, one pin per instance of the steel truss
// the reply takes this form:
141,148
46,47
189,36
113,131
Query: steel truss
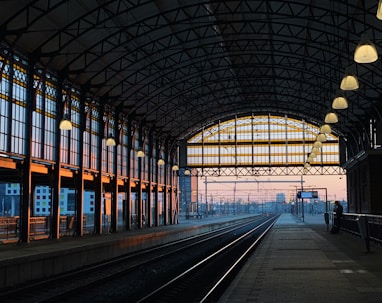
266,171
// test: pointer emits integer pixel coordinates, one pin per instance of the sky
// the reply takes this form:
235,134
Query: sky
261,189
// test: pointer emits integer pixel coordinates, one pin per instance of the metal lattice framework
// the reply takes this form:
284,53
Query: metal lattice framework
177,66
259,141
255,145
267,171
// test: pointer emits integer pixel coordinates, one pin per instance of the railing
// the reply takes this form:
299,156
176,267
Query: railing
8,227
39,227
368,227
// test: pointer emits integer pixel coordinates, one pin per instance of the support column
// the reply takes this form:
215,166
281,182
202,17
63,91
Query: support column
169,185
172,211
98,204
114,199
149,204
140,182
55,227
114,182
80,203
165,190
140,202
157,212
173,207
149,218
165,205
127,205
98,190
79,185
55,222
26,167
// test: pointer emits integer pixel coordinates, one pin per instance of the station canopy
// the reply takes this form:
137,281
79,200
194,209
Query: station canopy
178,67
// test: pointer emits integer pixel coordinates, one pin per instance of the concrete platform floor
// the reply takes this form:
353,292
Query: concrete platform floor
300,261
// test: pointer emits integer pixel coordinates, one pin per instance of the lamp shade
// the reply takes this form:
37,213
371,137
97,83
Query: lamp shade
65,123
161,162
140,154
326,129
331,118
379,10
175,167
349,82
321,138
317,144
306,165
340,103
315,150
365,52
187,172
110,141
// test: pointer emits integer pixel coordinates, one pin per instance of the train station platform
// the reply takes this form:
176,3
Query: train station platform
21,263
301,261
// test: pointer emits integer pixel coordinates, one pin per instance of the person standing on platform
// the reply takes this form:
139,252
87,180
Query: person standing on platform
338,209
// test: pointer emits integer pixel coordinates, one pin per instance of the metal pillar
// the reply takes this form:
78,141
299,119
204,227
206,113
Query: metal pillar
98,188
114,185
26,169
79,184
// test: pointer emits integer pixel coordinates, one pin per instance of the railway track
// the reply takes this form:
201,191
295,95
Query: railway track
206,280
141,277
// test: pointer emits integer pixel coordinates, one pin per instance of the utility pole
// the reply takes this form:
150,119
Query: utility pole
205,193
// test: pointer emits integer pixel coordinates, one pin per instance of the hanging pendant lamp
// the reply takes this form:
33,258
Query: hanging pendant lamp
365,52
110,141
317,144
326,129
379,10
340,103
65,123
349,82
331,117
321,138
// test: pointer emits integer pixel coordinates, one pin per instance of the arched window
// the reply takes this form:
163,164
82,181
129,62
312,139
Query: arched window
258,142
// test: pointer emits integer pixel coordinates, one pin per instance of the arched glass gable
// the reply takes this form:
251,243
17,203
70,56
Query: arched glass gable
258,142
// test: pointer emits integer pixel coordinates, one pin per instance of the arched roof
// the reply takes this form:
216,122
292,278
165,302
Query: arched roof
175,66
262,145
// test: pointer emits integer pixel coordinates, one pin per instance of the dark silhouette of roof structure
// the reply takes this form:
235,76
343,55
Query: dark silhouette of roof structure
175,66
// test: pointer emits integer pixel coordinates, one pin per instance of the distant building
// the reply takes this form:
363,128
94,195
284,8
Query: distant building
280,198
42,201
